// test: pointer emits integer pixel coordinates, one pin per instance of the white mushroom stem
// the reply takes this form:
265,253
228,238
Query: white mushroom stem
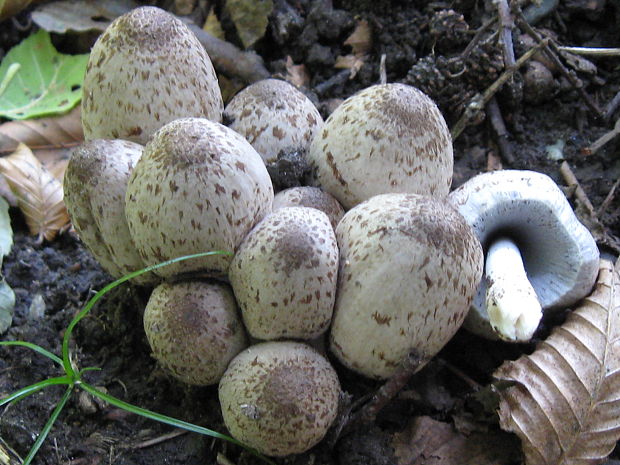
513,307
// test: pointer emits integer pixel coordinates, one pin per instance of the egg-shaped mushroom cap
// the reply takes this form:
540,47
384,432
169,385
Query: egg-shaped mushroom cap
194,329
273,116
409,268
284,275
279,397
94,193
198,187
559,253
386,138
146,69
313,197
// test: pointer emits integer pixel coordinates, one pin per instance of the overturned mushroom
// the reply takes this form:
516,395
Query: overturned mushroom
94,193
193,329
538,255
284,275
387,138
273,116
409,268
199,186
145,70
279,397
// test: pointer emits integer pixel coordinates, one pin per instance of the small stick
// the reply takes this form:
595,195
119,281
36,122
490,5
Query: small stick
603,140
608,199
477,37
479,101
158,440
612,106
382,70
573,183
497,123
573,79
507,24
592,51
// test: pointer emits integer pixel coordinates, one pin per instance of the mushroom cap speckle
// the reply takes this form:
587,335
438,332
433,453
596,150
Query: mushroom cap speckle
198,187
313,197
284,275
279,397
559,253
94,193
386,138
273,116
145,70
409,268
194,329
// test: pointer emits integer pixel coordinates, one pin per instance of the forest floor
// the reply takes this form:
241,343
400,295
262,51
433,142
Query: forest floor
53,280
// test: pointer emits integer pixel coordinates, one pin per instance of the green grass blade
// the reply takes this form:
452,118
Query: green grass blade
65,342
48,426
168,420
34,347
26,391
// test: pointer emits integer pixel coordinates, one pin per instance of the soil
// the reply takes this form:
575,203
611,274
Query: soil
52,281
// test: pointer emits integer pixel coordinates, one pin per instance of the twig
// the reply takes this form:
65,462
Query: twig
477,37
593,51
506,26
572,182
497,123
229,60
603,140
382,70
384,394
157,440
572,78
336,80
480,101
610,196
612,106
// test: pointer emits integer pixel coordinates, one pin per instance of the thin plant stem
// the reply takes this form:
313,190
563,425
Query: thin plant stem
31,389
166,419
48,425
34,347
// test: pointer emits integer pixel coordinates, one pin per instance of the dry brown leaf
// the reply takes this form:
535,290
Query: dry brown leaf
360,42
39,193
296,74
565,404
50,138
430,442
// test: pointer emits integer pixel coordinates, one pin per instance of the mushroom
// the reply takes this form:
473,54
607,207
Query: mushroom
409,268
279,398
386,138
284,275
194,329
273,116
94,193
199,186
538,255
145,70
313,197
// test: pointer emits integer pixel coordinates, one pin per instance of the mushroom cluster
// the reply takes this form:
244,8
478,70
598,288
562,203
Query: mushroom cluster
374,256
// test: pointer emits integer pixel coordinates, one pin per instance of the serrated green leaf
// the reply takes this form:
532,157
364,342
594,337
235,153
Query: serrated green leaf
7,303
46,83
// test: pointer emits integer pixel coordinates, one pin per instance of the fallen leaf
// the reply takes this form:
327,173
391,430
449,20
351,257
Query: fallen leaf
565,401
430,442
80,16
39,193
36,80
250,18
10,8
212,26
50,138
360,42
296,74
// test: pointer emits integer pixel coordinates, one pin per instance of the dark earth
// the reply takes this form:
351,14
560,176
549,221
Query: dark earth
419,39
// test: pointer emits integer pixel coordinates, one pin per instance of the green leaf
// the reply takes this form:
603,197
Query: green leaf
251,18
6,232
46,82
7,303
